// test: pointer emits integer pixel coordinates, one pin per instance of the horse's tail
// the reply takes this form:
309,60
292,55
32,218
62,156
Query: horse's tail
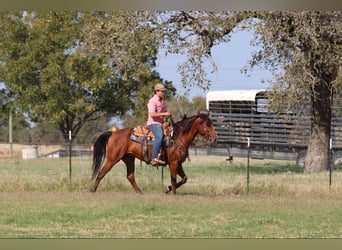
99,152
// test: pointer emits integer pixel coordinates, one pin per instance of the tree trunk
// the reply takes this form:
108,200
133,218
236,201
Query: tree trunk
317,157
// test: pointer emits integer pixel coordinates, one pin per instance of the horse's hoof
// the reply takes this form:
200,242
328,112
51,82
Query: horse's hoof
168,189
93,190
138,191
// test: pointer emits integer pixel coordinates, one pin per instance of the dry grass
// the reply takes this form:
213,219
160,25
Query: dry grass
38,200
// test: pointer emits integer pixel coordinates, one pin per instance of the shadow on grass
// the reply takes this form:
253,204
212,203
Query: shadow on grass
267,168
276,169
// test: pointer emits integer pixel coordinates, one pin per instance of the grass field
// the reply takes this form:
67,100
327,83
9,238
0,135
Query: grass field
39,200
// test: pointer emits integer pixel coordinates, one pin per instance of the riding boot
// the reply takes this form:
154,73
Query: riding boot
160,159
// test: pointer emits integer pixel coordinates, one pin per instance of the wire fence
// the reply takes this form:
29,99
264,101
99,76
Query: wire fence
31,164
54,159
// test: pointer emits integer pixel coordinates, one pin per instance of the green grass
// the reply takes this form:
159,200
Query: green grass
38,200
112,215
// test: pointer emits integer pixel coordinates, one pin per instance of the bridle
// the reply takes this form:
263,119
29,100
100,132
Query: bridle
184,149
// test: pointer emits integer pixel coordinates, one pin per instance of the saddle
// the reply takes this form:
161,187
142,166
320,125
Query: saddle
143,135
142,132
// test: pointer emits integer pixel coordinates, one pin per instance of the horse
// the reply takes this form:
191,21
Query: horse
117,145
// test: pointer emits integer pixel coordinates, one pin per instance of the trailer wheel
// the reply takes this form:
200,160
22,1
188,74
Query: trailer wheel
300,158
337,158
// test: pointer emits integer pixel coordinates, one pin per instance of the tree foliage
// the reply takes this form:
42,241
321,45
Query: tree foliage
125,39
19,124
194,34
55,72
305,45
181,105
138,114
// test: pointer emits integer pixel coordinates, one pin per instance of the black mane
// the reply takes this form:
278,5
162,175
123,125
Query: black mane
186,123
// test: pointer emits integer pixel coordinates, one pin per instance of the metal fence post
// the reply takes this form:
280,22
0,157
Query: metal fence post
248,155
162,176
70,151
330,162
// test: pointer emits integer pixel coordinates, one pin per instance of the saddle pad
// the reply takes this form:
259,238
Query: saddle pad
140,133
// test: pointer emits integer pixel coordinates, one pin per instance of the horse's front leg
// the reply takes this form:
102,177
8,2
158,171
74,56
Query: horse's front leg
174,171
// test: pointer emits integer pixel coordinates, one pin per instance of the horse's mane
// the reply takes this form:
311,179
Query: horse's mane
186,123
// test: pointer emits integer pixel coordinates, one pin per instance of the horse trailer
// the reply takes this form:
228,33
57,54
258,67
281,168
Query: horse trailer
243,123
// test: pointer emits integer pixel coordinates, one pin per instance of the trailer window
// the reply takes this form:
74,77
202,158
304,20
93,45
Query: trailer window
235,107
261,105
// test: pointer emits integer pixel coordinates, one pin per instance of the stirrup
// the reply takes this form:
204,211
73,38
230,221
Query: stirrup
157,162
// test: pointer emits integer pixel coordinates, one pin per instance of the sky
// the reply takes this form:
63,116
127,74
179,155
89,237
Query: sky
230,58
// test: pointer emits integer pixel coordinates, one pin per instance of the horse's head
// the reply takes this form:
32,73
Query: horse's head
206,128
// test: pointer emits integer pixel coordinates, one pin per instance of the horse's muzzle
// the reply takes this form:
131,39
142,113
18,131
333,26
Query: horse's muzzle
211,140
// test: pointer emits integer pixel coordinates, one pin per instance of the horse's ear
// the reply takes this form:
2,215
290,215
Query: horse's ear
184,117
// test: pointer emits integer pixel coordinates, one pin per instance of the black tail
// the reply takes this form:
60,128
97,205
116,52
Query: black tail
99,152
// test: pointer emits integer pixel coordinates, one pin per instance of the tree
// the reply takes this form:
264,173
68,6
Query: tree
180,106
54,75
127,41
4,113
45,133
91,130
43,71
21,128
304,46
19,124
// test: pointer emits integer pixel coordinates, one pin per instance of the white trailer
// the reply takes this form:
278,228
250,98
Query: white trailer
242,115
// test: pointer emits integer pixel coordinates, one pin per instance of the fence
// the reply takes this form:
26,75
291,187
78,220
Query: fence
53,160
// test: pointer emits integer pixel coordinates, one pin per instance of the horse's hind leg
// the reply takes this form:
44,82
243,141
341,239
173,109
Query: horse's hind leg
104,170
129,161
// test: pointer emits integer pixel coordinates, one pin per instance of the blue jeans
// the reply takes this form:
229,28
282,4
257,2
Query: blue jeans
158,137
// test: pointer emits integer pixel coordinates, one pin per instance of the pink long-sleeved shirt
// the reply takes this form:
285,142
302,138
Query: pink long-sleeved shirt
155,104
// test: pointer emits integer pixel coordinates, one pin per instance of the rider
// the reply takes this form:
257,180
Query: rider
156,112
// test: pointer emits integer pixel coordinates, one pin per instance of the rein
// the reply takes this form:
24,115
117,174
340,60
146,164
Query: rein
182,128
182,147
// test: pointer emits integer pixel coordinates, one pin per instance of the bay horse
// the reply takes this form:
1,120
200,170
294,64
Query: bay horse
117,145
